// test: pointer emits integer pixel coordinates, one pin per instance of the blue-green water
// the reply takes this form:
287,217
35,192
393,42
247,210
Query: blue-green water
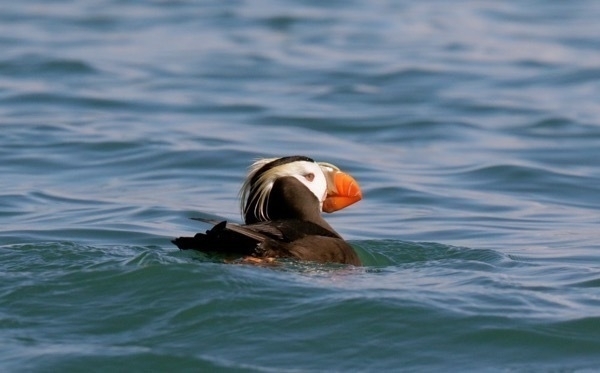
473,128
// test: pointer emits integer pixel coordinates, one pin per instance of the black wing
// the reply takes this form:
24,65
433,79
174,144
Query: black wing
223,238
285,238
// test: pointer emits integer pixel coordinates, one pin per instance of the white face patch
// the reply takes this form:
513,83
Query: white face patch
309,174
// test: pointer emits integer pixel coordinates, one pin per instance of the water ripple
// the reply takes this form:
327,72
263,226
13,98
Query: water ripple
471,127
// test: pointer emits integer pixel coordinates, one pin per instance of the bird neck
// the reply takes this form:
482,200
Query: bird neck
289,199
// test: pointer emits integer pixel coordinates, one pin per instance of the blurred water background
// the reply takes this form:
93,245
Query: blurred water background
473,128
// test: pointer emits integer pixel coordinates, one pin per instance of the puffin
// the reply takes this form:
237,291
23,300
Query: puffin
282,200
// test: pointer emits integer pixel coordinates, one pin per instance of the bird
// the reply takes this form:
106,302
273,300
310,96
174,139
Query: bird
282,200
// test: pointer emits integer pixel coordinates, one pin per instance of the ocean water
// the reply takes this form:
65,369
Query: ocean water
472,127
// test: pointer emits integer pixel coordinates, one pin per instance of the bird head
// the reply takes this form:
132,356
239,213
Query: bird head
332,189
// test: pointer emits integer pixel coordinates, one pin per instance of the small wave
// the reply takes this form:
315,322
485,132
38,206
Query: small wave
394,252
28,65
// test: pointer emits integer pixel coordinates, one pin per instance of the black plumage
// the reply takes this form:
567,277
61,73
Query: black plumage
295,228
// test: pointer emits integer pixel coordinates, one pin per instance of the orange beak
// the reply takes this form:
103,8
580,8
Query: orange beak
342,191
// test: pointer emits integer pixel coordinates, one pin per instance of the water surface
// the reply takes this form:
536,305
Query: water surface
472,128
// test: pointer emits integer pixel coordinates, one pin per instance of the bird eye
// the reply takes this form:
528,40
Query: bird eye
310,176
